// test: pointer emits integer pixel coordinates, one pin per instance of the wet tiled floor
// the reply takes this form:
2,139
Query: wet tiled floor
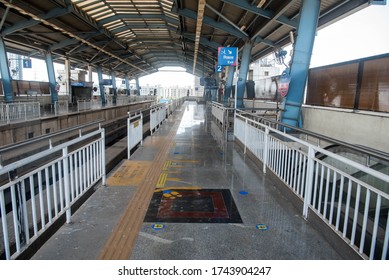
209,201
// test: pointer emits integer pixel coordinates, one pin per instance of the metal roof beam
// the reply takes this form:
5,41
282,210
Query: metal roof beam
213,23
56,12
136,16
204,42
226,19
246,5
341,11
285,6
69,42
67,33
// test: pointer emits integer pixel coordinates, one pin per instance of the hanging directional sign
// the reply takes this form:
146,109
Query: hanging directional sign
283,85
219,69
227,56
27,63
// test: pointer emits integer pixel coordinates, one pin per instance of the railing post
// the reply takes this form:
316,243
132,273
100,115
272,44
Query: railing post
141,123
25,111
265,149
65,162
103,171
309,181
128,137
4,226
7,113
245,135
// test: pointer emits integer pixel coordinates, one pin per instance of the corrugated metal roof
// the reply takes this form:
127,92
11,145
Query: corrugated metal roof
137,37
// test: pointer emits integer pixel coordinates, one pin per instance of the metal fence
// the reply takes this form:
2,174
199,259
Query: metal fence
61,107
83,105
52,181
338,190
134,132
13,112
158,114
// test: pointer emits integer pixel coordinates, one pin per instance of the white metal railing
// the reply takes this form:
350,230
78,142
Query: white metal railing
61,107
218,111
134,132
31,203
224,116
158,114
83,105
356,210
12,112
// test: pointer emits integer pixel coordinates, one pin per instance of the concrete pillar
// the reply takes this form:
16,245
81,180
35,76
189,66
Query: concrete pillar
137,86
243,70
302,53
115,92
90,76
5,74
68,80
51,75
128,92
230,79
101,85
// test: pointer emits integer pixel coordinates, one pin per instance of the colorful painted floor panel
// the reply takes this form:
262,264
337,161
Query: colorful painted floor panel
193,206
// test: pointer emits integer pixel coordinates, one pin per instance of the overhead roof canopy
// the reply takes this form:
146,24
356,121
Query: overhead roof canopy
136,37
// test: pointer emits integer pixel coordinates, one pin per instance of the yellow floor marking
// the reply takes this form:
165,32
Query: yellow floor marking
185,160
120,243
194,188
173,172
130,173
167,165
173,179
162,180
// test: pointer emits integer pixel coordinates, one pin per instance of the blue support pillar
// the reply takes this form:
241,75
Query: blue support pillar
309,16
128,92
230,79
243,70
51,75
137,86
5,74
115,92
101,85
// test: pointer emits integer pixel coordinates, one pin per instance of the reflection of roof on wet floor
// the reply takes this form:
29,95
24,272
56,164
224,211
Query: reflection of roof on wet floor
207,202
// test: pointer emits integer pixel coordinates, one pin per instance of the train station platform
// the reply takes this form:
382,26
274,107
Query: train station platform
185,194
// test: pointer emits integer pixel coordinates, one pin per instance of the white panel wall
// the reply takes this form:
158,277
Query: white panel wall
363,128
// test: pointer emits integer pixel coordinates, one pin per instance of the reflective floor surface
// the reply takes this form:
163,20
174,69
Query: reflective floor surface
209,201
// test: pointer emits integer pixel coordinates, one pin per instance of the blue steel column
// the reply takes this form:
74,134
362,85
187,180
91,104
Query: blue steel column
137,86
51,74
101,85
128,92
230,79
243,70
5,74
309,16
115,94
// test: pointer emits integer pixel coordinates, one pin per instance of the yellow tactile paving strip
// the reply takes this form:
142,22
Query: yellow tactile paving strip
130,173
120,243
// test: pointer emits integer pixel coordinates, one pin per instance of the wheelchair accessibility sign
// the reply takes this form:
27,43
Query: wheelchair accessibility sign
227,56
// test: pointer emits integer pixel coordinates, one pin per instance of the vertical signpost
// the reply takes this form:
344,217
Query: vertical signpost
228,56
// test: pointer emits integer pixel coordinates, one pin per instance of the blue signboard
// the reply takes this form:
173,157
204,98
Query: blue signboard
227,56
219,69
27,63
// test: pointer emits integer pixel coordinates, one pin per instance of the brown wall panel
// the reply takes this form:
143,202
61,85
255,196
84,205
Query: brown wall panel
375,85
333,86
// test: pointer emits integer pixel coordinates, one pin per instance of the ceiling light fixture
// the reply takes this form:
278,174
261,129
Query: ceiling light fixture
261,3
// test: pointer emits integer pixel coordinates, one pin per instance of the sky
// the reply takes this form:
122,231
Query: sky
362,34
